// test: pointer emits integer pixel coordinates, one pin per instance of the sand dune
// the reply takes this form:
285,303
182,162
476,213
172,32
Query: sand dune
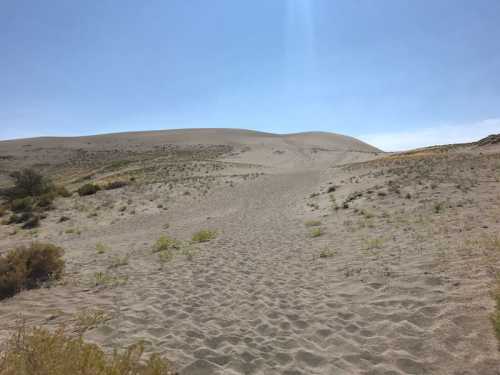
397,279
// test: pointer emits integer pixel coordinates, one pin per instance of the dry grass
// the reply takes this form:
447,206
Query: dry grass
40,352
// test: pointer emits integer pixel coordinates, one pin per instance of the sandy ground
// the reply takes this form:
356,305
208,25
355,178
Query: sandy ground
397,280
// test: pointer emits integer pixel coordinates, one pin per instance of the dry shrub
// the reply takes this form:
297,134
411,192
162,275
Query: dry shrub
40,352
28,267
88,189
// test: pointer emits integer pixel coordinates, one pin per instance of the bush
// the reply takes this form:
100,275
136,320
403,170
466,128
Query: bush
115,185
45,200
28,183
204,235
28,267
316,232
88,189
22,204
165,243
38,351
62,192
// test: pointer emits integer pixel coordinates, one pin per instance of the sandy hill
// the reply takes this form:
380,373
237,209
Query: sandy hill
323,255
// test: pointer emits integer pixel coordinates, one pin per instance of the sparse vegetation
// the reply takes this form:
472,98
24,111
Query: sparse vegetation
115,185
28,267
327,253
105,279
316,232
88,189
101,248
40,352
204,235
166,243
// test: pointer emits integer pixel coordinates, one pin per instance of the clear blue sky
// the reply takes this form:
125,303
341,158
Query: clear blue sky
397,73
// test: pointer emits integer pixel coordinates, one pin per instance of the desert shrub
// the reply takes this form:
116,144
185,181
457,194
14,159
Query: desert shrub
22,204
28,183
28,267
316,232
115,185
62,192
38,351
20,218
45,200
327,253
88,189
165,243
204,235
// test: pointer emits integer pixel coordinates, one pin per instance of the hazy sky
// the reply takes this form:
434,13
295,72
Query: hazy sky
396,73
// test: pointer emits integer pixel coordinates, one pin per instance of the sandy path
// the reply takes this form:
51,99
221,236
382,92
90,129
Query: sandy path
257,301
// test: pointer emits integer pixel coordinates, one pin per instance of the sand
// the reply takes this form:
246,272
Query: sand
391,286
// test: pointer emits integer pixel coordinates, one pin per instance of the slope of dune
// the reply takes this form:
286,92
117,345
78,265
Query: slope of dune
329,256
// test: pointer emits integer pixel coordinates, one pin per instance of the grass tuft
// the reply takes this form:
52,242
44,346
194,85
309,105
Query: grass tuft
204,235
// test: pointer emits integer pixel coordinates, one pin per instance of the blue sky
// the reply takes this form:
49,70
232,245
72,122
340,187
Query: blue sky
396,73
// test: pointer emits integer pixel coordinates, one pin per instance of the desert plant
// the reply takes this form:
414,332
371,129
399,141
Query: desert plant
204,235
89,319
316,232
101,248
22,204
327,253
28,183
38,351
312,223
166,243
28,267
88,189
62,192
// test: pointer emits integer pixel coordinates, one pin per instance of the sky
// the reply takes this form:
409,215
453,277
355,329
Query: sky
396,73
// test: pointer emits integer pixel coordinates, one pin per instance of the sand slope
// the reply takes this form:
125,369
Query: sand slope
392,286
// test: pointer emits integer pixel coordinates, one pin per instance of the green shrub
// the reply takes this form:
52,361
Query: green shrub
28,267
28,183
22,204
45,200
204,235
165,243
88,189
40,352
316,232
